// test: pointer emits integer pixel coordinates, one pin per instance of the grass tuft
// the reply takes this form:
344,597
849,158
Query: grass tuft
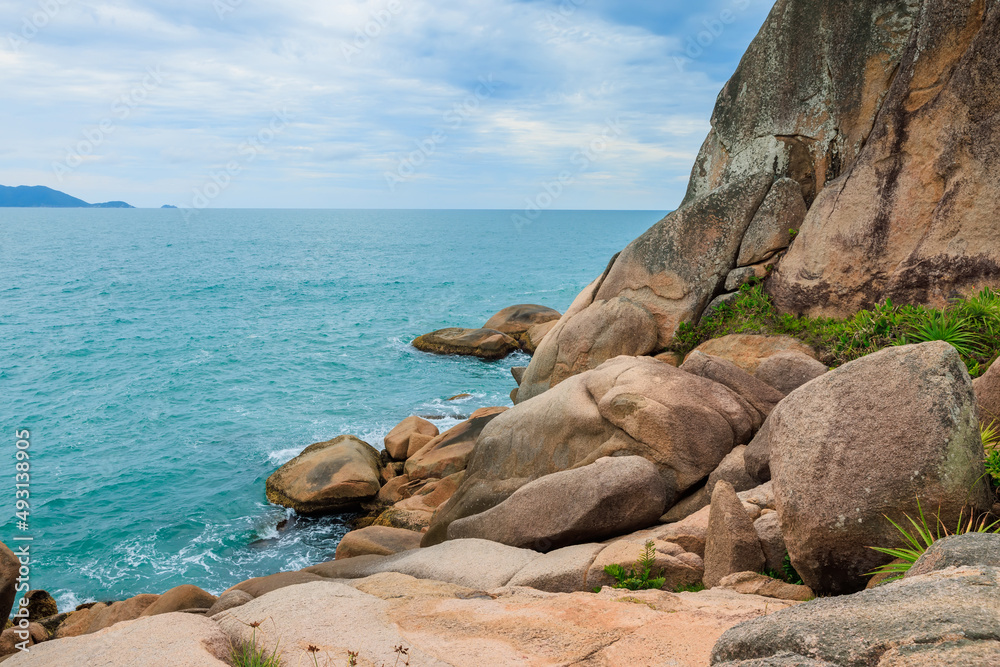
640,576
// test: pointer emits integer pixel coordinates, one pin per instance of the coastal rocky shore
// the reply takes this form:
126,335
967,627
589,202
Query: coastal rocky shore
851,164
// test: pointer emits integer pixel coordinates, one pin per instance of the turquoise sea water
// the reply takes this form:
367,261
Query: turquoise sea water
165,367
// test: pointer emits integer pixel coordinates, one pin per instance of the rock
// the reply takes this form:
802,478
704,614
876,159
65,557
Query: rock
789,370
459,397
180,598
731,543
390,469
396,586
101,615
377,540
40,605
227,601
433,494
869,439
745,275
762,496
763,397
688,505
449,452
772,542
518,373
482,343
757,455
732,470
535,336
478,564
754,583
9,572
327,477
912,614
611,496
396,489
404,519
672,563
890,227
11,638
783,210
972,549
178,640
690,533
748,351
397,441
560,571
259,586
417,442
630,406
672,358
717,303
987,390
516,321
960,653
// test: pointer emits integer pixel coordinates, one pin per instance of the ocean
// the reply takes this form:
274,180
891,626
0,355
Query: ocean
166,366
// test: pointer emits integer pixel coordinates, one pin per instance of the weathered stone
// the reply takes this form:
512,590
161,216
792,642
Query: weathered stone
955,653
404,518
535,336
433,494
396,489
40,605
748,351
772,542
560,571
377,540
611,496
972,549
858,630
449,452
783,210
482,343
669,563
516,321
227,601
518,373
180,598
987,390
731,543
259,586
630,406
732,470
839,463
717,303
754,583
9,572
102,616
327,477
687,506
744,275
787,371
763,397
397,441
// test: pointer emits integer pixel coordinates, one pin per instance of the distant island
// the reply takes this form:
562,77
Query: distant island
39,196
168,206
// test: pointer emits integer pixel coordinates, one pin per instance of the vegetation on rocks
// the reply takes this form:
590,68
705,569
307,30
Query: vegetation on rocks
639,577
971,325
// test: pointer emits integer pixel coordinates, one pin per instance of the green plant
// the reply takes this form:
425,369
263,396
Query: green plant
922,536
640,576
248,654
952,328
991,444
690,588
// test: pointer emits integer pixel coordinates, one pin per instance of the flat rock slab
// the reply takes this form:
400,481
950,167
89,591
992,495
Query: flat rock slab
482,343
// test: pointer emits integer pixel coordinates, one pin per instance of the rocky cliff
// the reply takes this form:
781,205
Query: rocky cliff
866,131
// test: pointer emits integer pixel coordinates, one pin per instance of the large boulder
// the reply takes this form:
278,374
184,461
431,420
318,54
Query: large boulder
516,321
397,441
609,497
9,572
181,598
664,278
787,371
377,540
913,218
531,340
482,343
771,230
733,469
987,390
762,396
927,617
748,351
629,406
449,452
560,571
869,440
670,561
100,616
971,549
327,477
731,543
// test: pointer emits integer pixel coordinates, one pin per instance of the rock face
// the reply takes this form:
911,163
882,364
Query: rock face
927,618
789,370
748,351
611,496
629,406
449,452
516,321
397,441
987,390
762,396
783,210
959,551
482,343
731,543
912,218
754,583
327,477
868,439
9,566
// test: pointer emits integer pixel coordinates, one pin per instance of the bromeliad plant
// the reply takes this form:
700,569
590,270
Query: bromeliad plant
920,535
640,576
991,445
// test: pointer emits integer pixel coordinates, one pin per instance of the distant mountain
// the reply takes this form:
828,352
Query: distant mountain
168,206
39,196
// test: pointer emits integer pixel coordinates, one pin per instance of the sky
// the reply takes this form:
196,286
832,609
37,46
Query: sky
470,104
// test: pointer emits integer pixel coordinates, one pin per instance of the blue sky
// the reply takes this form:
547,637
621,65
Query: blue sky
569,104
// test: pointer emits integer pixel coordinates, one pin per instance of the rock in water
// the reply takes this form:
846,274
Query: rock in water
482,343
683,423
868,439
327,477
449,452
611,496
516,321
397,441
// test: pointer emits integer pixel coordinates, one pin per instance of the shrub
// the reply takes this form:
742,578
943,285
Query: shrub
690,588
640,576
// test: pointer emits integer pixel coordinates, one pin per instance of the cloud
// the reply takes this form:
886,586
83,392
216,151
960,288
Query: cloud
367,86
